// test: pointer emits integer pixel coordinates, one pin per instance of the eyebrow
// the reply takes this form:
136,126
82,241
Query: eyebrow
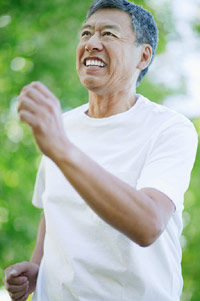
87,26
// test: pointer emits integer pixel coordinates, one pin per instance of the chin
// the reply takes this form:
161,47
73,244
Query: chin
90,83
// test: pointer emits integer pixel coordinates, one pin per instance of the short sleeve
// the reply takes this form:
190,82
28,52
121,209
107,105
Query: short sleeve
170,161
39,185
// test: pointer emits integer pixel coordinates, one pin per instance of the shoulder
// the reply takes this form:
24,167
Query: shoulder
163,116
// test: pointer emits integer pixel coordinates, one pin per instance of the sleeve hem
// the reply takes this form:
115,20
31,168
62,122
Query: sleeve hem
167,190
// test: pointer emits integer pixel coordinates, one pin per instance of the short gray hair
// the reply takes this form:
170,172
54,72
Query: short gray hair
143,23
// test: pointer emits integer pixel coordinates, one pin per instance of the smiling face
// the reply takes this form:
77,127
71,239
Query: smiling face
107,57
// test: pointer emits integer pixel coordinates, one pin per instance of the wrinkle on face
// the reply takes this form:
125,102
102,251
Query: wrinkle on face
116,83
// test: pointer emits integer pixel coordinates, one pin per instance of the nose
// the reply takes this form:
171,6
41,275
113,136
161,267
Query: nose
94,44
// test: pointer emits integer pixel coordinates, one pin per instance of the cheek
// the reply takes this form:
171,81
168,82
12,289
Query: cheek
79,54
120,58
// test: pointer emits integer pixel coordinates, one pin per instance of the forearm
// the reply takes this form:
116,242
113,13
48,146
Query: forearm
141,215
38,250
119,204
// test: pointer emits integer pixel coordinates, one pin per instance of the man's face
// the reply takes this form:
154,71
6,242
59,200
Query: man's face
107,56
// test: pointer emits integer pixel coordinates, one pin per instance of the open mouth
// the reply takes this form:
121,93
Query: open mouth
94,63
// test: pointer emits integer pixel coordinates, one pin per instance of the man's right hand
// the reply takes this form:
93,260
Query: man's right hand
20,280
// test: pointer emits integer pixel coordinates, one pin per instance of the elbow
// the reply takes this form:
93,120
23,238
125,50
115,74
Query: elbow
148,235
145,242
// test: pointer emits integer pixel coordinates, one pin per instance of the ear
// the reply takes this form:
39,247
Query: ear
146,55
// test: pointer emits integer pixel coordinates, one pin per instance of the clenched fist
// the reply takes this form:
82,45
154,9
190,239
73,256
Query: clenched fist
40,109
20,280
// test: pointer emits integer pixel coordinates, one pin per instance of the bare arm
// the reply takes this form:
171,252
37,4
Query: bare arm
38,250
141,215
20,278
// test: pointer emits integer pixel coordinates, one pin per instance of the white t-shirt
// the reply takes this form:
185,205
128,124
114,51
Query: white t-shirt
86,259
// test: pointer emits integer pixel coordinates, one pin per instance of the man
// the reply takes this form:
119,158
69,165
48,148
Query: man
113,175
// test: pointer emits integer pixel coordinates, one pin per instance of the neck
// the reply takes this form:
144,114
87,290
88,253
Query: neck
101,106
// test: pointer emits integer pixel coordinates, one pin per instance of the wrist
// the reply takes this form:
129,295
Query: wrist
35,261
67,155
59,151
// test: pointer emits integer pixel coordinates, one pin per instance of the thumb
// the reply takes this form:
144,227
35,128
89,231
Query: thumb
13,273
18,269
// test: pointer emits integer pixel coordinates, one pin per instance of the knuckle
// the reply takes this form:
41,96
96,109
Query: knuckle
29,92
12,295
21,115
7,270
39,128
24,298
35,83
19,97
23,94
25,87
21,100
50,107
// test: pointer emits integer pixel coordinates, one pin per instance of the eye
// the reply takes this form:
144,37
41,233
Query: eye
85,33
108,33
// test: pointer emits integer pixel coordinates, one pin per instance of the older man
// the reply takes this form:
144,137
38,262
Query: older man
113,175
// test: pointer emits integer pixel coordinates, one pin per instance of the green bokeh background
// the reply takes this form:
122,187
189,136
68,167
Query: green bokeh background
39,44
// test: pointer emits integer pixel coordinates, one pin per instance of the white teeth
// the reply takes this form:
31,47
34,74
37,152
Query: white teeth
94,63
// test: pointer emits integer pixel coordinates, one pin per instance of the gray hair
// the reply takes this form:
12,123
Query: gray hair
143,24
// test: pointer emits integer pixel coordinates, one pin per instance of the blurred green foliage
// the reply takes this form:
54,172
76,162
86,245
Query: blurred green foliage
38,42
